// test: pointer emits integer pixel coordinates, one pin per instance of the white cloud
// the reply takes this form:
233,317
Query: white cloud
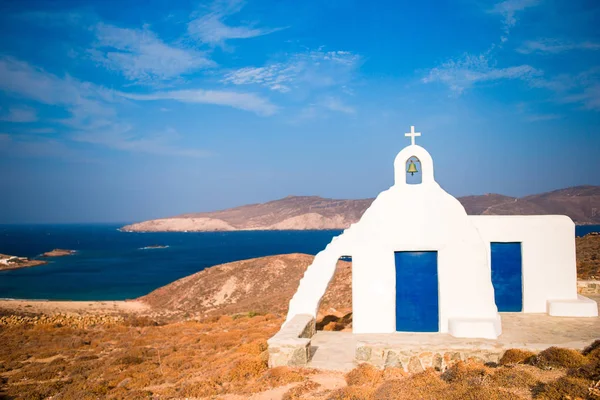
93,116
464,73
554,46
141,56
19,114
211,28
508,9
83,100
335,104
243,101
589,97
122,137
315,69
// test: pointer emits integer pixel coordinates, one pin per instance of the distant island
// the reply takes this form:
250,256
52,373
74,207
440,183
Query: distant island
14,262
581,203
58,253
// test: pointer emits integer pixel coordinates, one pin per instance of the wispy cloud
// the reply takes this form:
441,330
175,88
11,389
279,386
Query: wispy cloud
141,56
470,70
41,130
588,97
211,28
242,101
508,10
336,104
19,114
124,138
93,116
554,46
315,68
82,99
542,117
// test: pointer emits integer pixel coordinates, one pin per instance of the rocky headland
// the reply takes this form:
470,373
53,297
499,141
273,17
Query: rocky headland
581,203
13,262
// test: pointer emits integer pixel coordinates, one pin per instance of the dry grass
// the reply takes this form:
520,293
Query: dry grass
184,359
588,257
556,357
515,356
219,356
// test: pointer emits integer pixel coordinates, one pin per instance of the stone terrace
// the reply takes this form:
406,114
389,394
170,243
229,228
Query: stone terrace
416,351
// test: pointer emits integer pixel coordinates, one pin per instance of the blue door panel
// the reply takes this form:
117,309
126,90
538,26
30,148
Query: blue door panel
507,276
417,307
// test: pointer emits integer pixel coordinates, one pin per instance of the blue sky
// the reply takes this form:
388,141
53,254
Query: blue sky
130,110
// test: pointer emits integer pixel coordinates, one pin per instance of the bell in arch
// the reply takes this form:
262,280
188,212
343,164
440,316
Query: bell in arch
412,168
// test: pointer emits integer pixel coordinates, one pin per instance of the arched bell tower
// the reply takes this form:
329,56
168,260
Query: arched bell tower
411,152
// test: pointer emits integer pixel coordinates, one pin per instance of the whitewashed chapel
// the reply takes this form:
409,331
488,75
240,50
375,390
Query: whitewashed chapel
421,264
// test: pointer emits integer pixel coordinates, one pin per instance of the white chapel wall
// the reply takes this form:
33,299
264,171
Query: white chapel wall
547,251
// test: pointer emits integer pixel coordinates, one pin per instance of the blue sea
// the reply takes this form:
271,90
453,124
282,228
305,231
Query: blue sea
112,265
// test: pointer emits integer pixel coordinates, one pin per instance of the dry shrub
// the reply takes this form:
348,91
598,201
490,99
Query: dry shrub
280,376
140,321
567,387
353,393
364,375
393,373
247,368
425,385
513,378
592,352
300,390
333,327
556,357
326,320
256,347
211,387
469,373
515,356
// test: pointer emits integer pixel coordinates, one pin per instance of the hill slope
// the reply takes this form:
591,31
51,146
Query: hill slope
247,285
581,203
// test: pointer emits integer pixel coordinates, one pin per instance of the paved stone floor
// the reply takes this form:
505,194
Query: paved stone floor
335,350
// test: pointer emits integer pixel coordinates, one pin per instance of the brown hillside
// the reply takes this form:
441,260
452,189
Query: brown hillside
588,257
581,203
260,285
248,285
255,216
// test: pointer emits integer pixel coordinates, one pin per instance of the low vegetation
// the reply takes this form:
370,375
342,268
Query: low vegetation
131,357
588,257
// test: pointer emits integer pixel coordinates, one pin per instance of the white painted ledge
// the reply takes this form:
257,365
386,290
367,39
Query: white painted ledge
489,328
580,307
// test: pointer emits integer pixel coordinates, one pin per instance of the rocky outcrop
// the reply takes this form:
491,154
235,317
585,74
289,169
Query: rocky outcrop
58,253
13,262
581,203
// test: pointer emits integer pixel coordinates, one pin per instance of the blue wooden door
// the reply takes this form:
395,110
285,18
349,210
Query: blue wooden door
417,307
507,276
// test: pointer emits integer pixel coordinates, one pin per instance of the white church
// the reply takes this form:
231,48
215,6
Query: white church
421,264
